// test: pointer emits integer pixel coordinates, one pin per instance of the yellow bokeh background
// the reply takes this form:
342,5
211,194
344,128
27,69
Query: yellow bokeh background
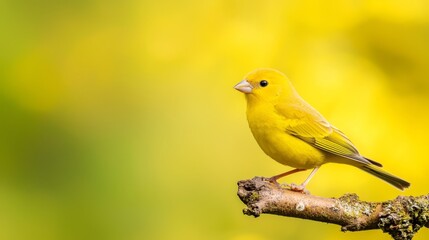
119,119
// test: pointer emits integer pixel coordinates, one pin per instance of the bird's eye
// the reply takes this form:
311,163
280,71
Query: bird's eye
263,83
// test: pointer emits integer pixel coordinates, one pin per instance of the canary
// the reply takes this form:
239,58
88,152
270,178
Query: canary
295,134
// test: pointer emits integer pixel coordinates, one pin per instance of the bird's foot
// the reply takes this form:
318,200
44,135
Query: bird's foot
273,180
292,187
298,188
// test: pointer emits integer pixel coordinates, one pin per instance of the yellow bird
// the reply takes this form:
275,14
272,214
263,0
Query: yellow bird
295,134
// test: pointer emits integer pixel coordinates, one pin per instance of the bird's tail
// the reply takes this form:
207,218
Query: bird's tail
378,172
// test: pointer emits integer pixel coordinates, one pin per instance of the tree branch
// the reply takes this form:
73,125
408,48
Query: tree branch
401,217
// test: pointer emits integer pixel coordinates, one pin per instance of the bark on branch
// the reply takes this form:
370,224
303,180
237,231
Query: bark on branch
401,217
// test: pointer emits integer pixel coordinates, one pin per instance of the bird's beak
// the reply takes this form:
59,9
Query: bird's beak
244,87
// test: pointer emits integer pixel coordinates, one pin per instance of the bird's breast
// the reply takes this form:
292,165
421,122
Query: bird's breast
269,130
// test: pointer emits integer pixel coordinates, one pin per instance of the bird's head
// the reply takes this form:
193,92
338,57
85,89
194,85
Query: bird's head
265,84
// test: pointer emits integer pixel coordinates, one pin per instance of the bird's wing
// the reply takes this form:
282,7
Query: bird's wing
303,120
306,123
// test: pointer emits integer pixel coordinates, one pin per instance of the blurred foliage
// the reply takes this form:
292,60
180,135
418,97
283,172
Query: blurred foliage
119,120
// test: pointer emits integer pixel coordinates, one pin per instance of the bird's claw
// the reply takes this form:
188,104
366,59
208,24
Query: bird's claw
273,180
292,187
298,188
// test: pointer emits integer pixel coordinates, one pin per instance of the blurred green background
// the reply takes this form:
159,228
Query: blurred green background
119,120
